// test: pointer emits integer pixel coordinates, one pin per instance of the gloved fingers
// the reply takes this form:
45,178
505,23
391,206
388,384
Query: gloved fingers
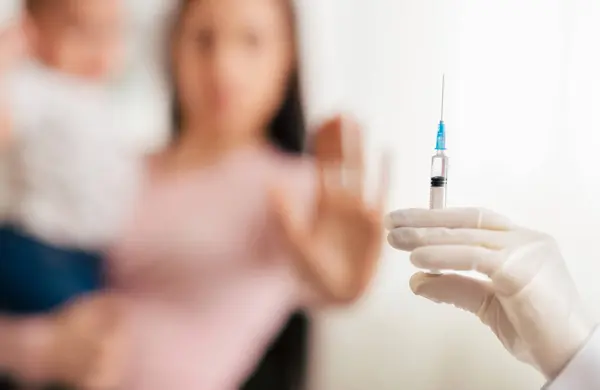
409,239
469,218
462,292
457,258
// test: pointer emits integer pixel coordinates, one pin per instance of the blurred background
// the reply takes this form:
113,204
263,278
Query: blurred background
522,96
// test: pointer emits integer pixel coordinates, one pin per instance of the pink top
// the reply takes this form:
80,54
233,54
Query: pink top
207,275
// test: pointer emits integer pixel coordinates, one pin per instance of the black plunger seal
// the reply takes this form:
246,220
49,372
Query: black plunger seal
438,181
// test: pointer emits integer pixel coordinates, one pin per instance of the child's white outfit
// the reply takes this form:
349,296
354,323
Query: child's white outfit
71,177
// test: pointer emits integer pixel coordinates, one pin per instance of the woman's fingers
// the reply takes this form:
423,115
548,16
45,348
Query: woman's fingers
339,153
457,258
465,293
409,239
353,161
328,142
330,180
453,218
329,153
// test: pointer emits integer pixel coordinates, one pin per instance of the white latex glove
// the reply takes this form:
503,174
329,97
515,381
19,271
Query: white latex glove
530,301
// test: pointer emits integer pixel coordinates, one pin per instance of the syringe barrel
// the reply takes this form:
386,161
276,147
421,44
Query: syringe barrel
437,200
439,165
437,196
439,180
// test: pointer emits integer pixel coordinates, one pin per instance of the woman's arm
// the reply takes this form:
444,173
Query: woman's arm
71,345
335,238
25,346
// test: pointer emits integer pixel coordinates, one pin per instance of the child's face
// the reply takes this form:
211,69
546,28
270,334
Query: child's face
84,38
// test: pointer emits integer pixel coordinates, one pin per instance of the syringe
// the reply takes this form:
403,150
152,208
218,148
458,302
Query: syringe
439,164
439,168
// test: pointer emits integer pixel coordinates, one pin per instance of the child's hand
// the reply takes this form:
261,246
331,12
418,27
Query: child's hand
339,248
89,342
14,46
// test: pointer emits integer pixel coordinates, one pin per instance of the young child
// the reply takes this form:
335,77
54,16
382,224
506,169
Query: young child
70,171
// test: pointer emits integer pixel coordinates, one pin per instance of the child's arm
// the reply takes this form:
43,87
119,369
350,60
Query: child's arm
5,126
13,48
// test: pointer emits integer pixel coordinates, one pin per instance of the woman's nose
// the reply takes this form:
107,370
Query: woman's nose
227,70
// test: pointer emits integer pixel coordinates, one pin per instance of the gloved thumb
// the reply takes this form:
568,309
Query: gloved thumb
460,291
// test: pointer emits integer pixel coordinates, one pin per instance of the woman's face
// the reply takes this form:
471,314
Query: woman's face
233,59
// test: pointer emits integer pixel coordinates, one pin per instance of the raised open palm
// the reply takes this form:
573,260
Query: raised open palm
338,248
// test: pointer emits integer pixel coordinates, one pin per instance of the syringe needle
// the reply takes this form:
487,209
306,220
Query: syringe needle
443,88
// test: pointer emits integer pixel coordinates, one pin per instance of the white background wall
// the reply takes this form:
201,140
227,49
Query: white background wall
522,97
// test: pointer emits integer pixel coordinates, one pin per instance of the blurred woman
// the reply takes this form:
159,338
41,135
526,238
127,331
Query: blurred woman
236,230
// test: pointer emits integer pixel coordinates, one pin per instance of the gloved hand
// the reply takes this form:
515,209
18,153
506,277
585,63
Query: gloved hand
530,301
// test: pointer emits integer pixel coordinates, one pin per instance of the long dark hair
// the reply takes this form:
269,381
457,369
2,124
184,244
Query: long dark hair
284,366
